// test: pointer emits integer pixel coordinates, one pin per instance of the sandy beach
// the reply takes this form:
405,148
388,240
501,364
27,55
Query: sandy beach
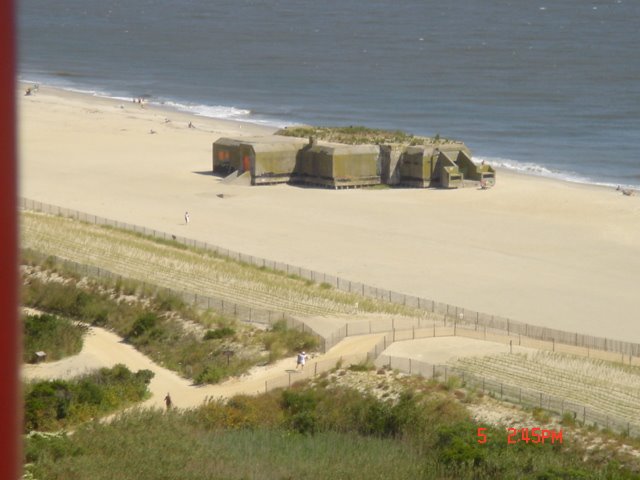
540,251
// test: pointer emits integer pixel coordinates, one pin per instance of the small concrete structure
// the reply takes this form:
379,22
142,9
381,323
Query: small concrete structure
269,159
337,165
425,166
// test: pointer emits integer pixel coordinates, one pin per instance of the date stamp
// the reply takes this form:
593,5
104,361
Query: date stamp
525,435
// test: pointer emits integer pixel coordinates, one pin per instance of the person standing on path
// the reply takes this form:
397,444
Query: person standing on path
302,358
167,401
186,218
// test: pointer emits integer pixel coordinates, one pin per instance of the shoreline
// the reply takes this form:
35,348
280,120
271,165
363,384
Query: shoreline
176,110
537,250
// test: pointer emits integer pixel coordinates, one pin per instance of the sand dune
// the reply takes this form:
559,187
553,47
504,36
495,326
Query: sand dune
540,251
103,348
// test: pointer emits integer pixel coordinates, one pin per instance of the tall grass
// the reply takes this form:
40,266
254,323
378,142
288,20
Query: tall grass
162,327
58,337
430,442
54,404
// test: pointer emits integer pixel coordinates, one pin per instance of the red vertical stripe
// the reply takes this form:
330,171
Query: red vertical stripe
10,410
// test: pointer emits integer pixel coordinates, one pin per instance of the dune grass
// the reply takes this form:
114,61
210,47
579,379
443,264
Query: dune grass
199,272
58,337
607,387
425,435
161,325
54,404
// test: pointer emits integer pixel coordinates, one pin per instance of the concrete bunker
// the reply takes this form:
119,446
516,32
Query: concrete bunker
338,165
269,159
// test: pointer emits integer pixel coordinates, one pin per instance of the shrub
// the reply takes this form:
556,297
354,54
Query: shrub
219,333
284,341
58,337
569,419
211,374
362,366
144,324
52,404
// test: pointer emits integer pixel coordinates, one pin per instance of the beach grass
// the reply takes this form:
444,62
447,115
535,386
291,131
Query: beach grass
57,337
430,438
602,386
195,271
160,325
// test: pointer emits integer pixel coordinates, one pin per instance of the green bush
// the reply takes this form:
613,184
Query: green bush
285,341
58,337
144,324
219,333
54,404
211,374
362,367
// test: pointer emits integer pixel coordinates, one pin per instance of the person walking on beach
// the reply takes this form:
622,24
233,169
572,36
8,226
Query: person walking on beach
302,358
167,401
186,218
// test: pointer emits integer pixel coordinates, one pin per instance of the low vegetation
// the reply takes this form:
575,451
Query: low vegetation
194,343
54,404
306,432
357,135
199,272
606,387
57,337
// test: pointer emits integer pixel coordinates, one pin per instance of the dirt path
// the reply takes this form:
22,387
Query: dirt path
105,349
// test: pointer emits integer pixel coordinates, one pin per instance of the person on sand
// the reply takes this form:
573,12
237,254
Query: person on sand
302,358
167,401
186,218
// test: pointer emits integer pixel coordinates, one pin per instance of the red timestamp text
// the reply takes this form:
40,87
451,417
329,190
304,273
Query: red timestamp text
525,435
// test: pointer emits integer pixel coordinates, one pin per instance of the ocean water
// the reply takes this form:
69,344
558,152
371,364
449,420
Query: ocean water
544,87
